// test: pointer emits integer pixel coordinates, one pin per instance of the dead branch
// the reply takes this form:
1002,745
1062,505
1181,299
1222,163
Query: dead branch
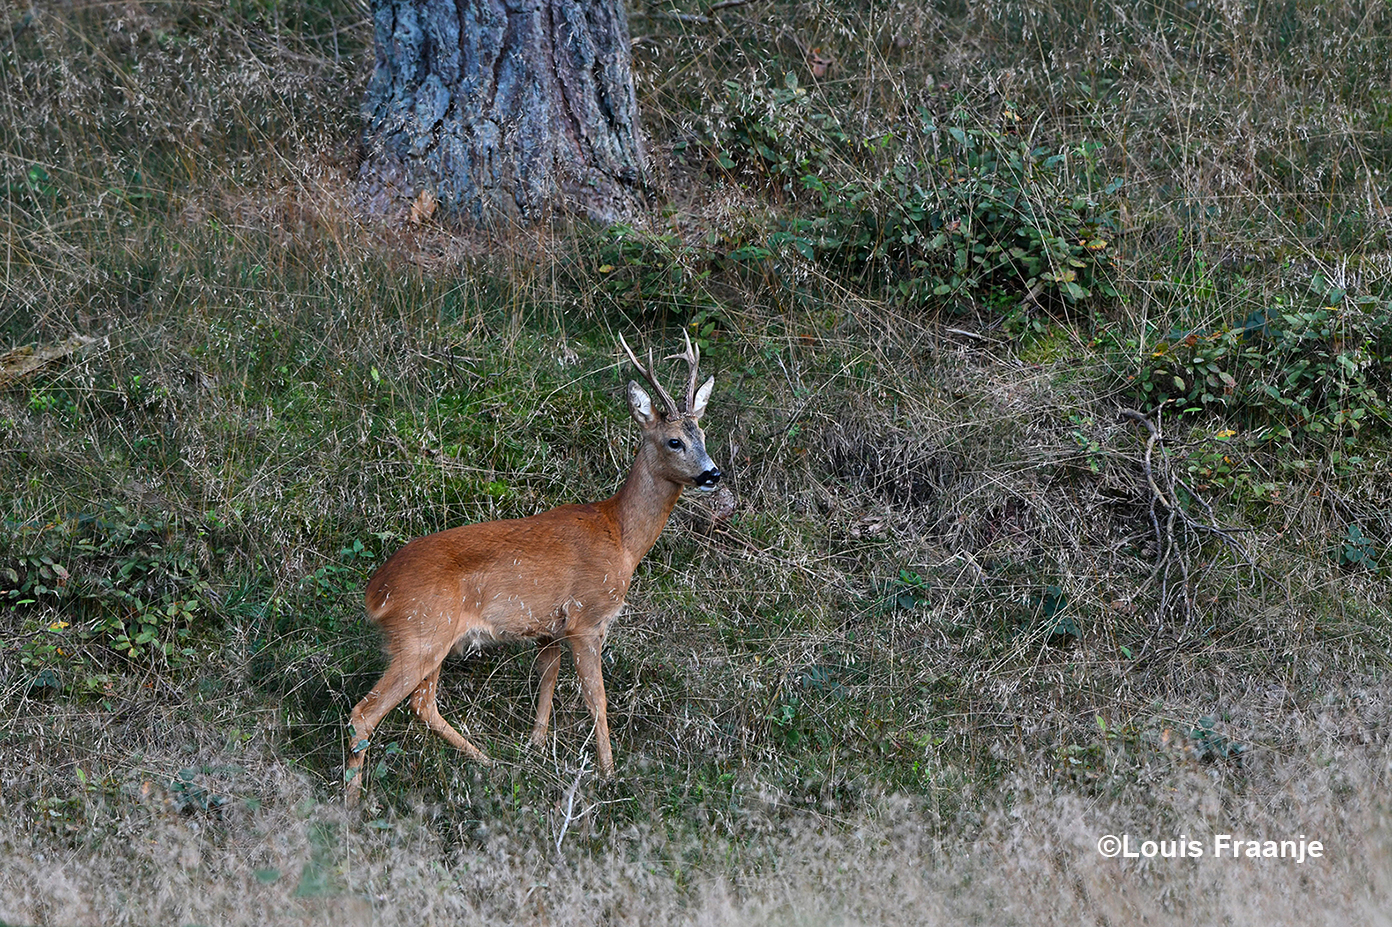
1162,483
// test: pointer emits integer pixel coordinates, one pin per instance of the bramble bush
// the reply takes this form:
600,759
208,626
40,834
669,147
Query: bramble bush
959,215
1314,367
769,135
993,217
82,591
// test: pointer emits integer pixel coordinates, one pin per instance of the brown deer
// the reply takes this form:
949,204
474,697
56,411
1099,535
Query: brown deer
557,576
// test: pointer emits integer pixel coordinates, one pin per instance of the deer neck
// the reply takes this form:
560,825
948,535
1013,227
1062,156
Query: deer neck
642,506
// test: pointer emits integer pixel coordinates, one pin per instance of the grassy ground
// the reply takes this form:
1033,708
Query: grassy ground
967,619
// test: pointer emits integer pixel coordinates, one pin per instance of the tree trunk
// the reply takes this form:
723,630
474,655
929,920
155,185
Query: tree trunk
503,111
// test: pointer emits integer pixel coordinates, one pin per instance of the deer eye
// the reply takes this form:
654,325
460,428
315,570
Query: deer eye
674,444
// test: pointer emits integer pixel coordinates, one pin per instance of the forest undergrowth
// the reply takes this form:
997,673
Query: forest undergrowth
1053,347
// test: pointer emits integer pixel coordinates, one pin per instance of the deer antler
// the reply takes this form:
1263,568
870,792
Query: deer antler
673,412
692,356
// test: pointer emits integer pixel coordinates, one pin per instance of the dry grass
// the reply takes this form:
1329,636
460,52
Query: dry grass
859,702
1028,857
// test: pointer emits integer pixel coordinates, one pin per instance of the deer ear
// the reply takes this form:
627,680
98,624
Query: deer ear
702,397
640,405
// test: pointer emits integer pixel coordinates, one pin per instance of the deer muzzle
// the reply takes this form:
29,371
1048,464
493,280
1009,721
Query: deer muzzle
706,480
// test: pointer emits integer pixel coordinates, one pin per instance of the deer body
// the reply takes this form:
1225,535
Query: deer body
557,577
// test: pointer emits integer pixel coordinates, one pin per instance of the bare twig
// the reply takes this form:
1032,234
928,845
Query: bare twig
1162,490
570,815
695,18
20,362
966,334
701,19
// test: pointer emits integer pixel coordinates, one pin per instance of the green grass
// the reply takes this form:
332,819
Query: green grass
950,637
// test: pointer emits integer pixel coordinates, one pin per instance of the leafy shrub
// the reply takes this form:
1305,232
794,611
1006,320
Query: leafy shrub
1357,550
637,269
82,590
658,278
964,213
992,216
771,134
1285,372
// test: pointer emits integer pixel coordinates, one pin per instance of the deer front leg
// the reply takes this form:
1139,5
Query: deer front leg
586,649
548,668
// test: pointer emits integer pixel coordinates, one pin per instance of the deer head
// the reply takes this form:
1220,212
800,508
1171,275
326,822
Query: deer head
673,441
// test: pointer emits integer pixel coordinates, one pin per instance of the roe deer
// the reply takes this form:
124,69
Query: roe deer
557,576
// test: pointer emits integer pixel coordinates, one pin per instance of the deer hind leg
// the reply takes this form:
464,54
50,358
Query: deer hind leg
424,705
586,650
548,666
401,677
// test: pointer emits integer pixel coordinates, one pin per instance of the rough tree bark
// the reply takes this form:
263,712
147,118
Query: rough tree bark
503,110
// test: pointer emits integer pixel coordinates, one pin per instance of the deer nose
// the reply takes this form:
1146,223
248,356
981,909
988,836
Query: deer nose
708,479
